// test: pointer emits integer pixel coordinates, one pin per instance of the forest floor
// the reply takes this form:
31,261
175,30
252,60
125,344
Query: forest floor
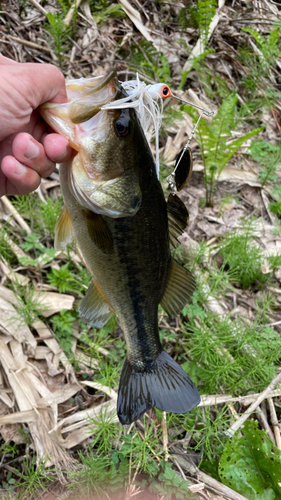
60,435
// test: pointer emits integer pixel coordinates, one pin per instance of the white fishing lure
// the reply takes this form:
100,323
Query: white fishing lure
148,103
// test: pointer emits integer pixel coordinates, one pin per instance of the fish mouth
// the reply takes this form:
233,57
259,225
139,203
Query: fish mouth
85,100
116,198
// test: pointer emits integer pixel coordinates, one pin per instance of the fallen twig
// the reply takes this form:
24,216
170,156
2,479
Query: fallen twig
68,18
209,481
165,436
234,427
274,422
218,399
39,7
11,210
264,423
29,44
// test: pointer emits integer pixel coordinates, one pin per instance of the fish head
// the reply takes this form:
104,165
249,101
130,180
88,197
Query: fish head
104,172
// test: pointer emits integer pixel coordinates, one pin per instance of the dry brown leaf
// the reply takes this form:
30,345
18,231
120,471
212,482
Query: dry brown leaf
12,275
5,398
10,432
65,393
135,17
46,334
42,352
80,430
8,294
103,388
53,302
13,324
83,360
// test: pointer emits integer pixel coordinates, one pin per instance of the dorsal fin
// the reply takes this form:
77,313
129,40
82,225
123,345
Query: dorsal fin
95,309
64,232
179,289
99,231
177,218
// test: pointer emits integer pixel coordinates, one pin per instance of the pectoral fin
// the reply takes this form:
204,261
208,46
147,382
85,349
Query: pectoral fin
64,232
99,231
94,309
179,289
177,218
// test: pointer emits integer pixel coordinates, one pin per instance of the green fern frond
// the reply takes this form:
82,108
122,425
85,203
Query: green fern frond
255,34
268,45
206,11
216,145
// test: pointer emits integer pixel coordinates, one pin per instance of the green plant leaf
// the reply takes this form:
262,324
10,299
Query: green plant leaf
216,144
206,10
251,464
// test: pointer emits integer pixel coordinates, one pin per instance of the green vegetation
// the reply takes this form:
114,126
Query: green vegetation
268,157
206,10
59,31
63,328
102,10
28,304
250,464
151,63
243,257
198,15
41,217
35,479
5,249
216,144
63,279
172,484
259,61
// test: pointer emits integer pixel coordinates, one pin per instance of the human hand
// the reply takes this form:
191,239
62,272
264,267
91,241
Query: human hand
27,151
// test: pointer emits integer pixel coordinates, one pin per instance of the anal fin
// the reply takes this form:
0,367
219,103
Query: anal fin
64,232
179,289
94,309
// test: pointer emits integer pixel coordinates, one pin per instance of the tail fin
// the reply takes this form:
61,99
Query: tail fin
164,385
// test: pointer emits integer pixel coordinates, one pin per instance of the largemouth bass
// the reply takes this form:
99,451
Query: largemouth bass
116,210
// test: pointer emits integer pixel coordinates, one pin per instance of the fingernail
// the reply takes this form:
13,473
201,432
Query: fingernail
32,150
19,169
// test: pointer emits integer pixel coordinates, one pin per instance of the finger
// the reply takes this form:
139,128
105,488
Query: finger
57,148
46,83
20,179
6,60
31,153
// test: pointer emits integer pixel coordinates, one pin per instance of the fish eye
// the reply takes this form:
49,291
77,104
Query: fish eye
121,128
122,124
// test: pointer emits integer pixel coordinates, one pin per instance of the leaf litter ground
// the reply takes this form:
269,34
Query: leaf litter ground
58,378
